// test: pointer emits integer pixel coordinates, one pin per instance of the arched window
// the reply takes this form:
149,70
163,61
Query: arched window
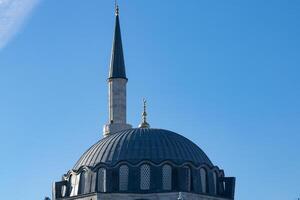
145,177
82,182
123,178
101,180
188,178
203,176
74,184
167,177
215,179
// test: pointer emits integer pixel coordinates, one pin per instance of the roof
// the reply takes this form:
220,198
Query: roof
117,64
139,144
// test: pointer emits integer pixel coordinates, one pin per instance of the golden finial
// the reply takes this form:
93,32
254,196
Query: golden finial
144,123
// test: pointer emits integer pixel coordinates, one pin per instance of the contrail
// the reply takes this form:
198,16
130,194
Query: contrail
13,14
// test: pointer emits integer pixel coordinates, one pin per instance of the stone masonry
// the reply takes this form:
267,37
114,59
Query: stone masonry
116,106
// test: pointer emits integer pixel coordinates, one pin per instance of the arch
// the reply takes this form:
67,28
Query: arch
215,182
167,177
203,175
101,180
123,177
145,174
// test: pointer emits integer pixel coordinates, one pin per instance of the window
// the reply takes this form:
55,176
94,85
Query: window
74,184
123,178
82,183
167,177
101,180
188,178
215,182
203,176
145,177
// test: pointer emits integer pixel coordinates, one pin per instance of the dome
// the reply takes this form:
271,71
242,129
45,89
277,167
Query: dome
140,144
144,162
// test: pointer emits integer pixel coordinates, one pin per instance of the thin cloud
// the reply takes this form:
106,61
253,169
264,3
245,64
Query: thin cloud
13,14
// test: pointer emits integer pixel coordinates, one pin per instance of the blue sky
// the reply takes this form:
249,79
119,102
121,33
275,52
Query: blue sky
225,74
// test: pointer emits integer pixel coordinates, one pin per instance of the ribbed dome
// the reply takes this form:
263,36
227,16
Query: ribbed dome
135,145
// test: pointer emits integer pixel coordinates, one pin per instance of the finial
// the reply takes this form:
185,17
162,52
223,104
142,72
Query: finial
116,8
144,123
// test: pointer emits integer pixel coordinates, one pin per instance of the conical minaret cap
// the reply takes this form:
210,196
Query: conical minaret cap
117,63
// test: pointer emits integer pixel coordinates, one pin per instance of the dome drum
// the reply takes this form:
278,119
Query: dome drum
144,177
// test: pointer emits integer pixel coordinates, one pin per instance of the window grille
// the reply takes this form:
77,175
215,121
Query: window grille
188,178
203,176
123,178
167,177
145,177
101,180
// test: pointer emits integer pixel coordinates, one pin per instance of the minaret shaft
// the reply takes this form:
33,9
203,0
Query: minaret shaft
117,82
117,100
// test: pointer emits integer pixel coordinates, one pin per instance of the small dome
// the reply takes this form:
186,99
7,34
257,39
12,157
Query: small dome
140,144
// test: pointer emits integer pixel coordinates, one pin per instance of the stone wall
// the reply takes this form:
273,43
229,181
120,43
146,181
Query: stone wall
116,106
117,100
154,196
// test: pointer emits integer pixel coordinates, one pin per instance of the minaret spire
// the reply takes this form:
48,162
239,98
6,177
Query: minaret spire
117,63
117,82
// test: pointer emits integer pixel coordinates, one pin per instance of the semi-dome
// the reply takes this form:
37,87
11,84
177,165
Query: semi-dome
140,144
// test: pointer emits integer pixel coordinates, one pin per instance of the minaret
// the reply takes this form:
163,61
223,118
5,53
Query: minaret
117,82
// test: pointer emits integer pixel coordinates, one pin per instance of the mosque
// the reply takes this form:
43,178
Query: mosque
140,163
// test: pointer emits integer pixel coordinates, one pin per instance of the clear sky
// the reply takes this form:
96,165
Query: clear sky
225,74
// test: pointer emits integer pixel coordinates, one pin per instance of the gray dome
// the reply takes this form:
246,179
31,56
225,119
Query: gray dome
136,145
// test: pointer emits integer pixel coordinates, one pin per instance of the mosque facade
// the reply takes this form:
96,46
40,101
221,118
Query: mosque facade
140,163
